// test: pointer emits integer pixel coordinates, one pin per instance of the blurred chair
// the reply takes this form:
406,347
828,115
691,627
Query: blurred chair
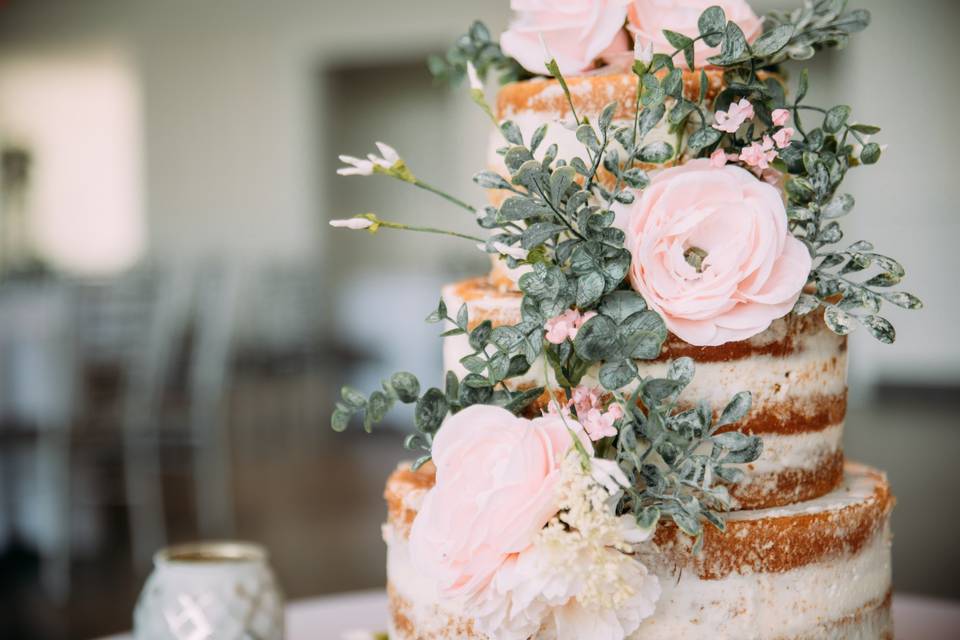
37,395
218,293
146,372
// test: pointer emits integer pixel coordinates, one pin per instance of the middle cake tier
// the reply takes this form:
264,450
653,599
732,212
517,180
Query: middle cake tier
796,372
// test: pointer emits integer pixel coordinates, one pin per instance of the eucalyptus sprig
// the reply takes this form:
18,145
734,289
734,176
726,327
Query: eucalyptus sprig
817,25
680,460
478,47
817,164
492,361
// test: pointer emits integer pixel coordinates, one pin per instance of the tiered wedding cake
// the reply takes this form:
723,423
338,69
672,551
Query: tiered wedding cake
640,431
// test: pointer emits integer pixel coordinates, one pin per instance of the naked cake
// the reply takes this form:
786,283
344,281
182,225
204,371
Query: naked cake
639,431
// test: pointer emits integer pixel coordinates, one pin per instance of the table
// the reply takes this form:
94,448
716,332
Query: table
915,617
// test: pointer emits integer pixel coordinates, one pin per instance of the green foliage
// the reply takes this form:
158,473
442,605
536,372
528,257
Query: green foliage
817,25
674,456
558,220
852,283
476,46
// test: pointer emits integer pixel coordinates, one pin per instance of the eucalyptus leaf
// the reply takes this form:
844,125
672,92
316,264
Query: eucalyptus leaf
736,409
703,137
836,118
511,132
733,48
880,328
839,321
903,299
773,41
430,411
711,25
617,374
597,339
339,420
491,180
620,305
406,386
870,154
590,287
656,152
643,335
539,232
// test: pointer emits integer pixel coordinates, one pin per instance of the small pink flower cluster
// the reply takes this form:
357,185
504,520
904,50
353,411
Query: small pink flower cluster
731,120
759,154
589,405
566,325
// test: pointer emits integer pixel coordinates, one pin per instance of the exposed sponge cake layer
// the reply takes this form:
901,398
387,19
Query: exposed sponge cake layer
817,569
590,94
796,371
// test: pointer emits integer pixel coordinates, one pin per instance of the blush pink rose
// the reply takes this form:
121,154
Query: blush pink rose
711,252
648,19
496,487
576,33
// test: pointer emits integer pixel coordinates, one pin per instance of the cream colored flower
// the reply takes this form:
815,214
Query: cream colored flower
352,223
473,77
387,159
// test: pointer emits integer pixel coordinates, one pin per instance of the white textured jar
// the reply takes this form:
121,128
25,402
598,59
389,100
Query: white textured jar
210,591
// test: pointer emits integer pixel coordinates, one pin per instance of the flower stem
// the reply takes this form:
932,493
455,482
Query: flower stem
444,232
417,182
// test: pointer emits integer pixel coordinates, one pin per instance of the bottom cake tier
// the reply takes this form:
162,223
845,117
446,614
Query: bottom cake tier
816,569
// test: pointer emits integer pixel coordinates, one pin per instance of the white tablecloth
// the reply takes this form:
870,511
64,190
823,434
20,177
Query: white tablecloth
916,618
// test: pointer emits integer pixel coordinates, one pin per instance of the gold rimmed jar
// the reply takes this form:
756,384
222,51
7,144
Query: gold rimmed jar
210,591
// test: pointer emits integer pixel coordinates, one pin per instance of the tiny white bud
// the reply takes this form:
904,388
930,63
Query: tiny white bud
473,77
547,56
356,167
643,53
388,154
517,253
352,223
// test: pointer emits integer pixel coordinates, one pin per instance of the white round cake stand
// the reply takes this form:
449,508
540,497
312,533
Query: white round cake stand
915,617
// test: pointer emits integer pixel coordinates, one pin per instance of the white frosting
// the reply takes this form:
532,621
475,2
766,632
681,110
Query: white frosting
802,602
797,451
815,369
771,379
859,485
797,603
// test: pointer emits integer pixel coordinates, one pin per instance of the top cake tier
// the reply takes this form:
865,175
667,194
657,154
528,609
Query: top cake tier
532,103
544,98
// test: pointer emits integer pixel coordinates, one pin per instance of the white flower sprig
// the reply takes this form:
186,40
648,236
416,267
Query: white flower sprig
477,94
390,163
371,223
352,223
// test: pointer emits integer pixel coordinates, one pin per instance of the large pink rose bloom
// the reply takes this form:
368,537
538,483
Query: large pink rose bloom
496,487
576,32
648,19
711,252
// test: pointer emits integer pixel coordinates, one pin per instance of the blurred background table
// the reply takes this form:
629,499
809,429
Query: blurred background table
915,617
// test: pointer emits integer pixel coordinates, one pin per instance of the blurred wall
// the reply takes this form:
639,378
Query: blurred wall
230,94
239,151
